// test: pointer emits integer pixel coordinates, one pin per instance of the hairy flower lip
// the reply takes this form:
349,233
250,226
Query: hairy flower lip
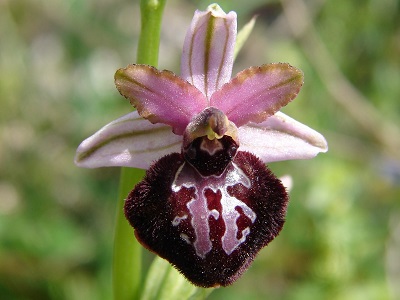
195,252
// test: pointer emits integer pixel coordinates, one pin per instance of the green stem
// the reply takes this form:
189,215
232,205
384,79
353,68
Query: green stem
149,41
127,251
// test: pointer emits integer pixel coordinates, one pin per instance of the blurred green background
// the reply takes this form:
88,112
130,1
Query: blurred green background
57,61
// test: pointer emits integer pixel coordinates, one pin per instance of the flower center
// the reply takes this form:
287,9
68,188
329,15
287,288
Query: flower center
210,142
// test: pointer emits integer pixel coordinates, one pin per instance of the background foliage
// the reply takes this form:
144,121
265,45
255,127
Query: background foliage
57,60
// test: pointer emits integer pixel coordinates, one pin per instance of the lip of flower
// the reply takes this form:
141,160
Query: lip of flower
211,195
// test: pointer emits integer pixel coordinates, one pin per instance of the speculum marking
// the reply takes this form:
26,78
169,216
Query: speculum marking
188,177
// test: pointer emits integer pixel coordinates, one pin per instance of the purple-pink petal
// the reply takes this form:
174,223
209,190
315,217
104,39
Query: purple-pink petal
129,141
281,138
207,56
258,92
160,96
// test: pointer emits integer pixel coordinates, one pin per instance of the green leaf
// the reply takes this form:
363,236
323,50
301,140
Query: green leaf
243,34
201,294
154,280
164,282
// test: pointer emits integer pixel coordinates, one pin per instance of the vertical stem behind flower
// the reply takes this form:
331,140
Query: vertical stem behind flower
149,40
127,251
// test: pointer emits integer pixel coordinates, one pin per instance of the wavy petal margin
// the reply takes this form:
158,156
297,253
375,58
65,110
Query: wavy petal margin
160,96
258,92
281,138
208,50
129,141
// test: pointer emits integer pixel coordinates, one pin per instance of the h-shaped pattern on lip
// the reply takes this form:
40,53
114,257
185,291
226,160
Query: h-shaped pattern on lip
188,177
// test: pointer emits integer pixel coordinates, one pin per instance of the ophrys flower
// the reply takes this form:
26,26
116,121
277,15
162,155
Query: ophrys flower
208,203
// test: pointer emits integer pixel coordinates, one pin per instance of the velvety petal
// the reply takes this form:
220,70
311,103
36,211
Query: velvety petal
129,141
258,92
160,96
210,228
207,56
281,138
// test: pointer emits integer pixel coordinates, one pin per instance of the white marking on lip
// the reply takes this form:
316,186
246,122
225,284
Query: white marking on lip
177,220
185,238
188,177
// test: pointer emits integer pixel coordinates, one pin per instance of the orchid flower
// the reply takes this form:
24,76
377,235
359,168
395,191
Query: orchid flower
208,204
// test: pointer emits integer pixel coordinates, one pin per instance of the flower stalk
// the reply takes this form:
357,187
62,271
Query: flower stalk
149,41
127,250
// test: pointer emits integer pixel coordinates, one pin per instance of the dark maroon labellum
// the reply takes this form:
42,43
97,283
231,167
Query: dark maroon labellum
210,227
